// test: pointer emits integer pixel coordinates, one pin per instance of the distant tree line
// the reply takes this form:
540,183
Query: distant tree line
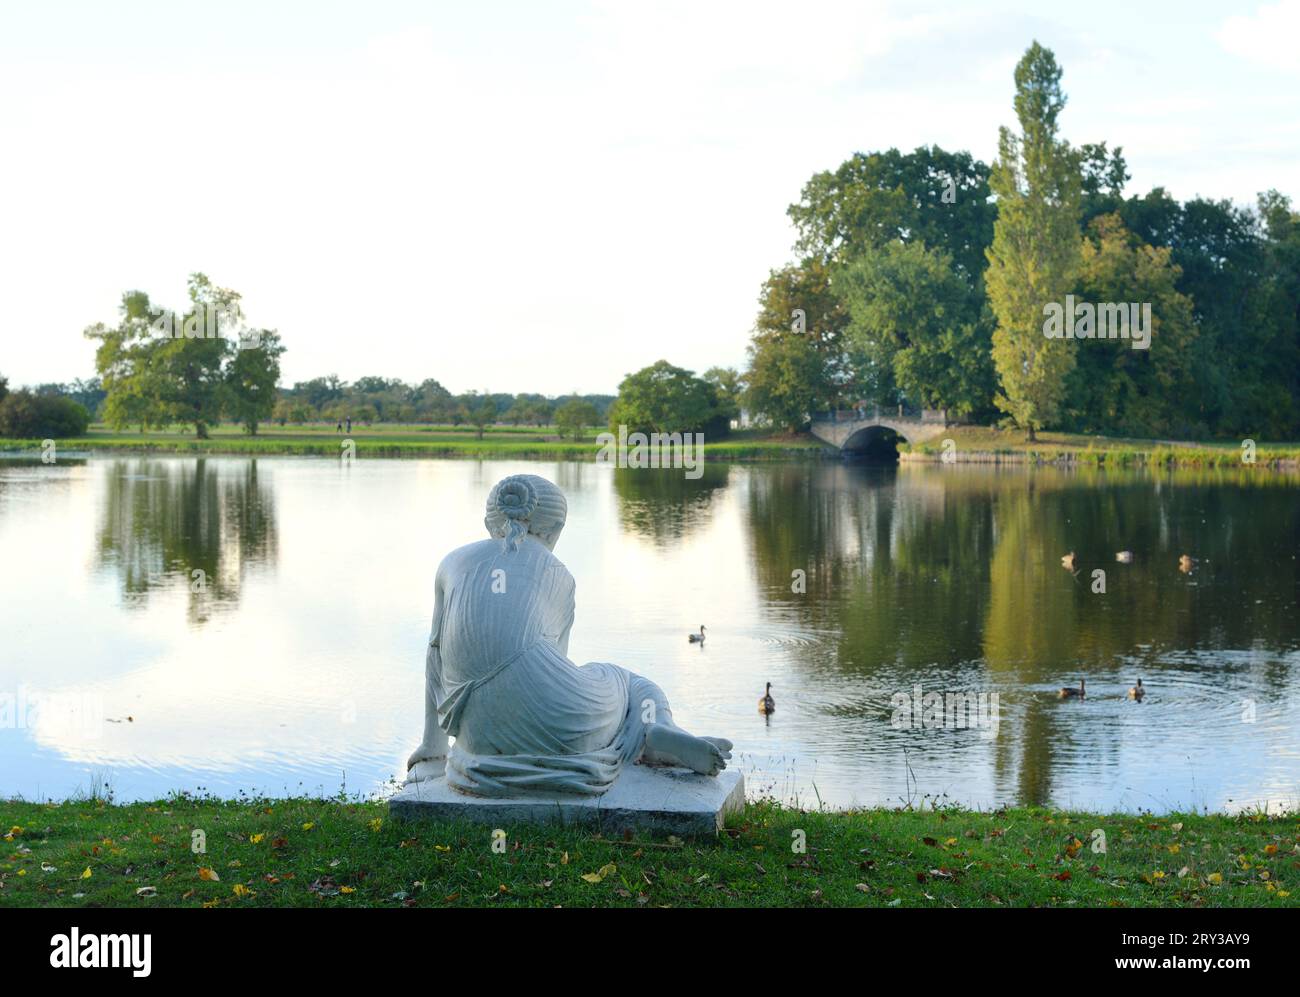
923,277
157,368
369,400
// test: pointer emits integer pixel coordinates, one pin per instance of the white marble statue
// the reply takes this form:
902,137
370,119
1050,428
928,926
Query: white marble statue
527,720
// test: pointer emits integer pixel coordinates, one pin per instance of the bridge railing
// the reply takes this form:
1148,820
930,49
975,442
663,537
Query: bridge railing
879,412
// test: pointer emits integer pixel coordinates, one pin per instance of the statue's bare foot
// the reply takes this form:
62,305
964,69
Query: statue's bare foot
671,744
722,744
422,766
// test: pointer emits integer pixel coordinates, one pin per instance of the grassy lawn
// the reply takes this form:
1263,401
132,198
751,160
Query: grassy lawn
388,440
990,441
317,853
396,440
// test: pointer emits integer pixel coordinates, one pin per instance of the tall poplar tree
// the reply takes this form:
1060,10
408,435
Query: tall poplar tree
1035,254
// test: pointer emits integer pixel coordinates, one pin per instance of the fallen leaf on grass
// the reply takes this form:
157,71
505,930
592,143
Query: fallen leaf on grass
599,875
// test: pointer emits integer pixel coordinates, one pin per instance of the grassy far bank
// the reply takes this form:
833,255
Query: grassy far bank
314,853
972,443
991,443
387,440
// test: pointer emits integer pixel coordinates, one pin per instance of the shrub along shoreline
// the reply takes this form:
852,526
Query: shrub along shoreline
340,853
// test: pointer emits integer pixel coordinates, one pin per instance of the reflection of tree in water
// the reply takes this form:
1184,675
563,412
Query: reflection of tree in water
162,521
662,504
819,520
1042,623
881,554
958,574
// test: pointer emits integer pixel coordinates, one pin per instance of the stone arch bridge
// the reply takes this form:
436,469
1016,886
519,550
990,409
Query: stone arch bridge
855,431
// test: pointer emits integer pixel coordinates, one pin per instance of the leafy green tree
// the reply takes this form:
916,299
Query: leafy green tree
1117,389
574,416
729,386
251,377
1034,258
301,412
1238,266
797,359
320,391
27,415
662,398
158,368
482,411
784,377
515,414
931,196
127,361
914,316
365,413
190,379
1279,404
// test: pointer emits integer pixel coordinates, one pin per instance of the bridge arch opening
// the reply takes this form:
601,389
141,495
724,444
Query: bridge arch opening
878,444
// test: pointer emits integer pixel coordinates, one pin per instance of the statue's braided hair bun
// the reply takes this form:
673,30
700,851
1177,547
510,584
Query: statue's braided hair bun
522,504
516,500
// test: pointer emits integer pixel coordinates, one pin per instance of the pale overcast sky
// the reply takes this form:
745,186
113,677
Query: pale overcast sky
543,196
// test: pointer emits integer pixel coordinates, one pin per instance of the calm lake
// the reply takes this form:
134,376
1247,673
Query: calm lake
294,662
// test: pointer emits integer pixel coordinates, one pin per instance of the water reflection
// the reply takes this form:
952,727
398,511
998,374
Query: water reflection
843,585
955,576
197,526
662,504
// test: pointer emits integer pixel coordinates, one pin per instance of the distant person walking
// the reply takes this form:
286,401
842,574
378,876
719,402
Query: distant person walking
339,427
349,424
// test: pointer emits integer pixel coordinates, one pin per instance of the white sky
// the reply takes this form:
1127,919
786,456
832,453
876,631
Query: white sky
543,197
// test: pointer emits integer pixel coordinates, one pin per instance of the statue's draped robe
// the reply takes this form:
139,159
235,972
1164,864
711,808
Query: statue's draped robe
524,717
